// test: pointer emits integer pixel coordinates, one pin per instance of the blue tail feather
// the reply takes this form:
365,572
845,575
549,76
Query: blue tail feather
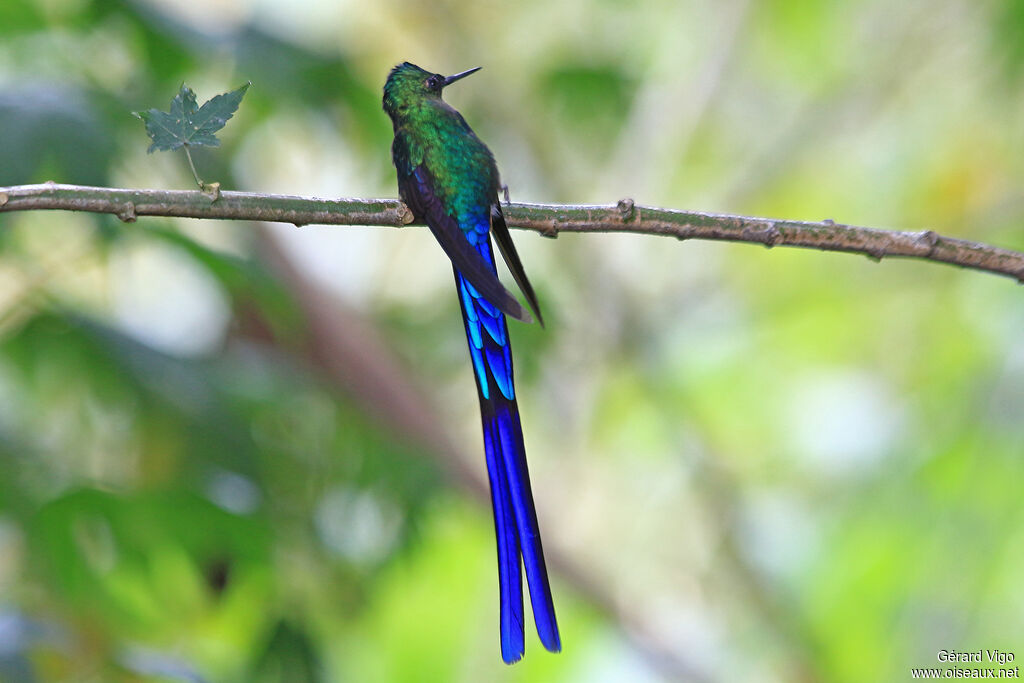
518,475
510,575
515,517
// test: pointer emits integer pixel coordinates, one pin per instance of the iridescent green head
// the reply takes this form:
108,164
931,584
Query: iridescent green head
408,84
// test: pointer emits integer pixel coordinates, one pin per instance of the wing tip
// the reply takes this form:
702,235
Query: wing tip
519,313
513,308
499,229
536,311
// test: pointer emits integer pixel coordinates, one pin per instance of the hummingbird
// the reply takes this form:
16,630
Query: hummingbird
448,177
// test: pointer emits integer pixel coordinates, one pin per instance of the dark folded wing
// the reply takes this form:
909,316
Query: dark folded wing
508,252
417,191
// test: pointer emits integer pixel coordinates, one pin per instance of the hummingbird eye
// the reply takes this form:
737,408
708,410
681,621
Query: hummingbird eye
435,82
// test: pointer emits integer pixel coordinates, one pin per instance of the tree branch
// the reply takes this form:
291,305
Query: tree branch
547,219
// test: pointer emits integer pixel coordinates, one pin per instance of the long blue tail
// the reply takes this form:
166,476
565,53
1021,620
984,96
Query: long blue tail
515,518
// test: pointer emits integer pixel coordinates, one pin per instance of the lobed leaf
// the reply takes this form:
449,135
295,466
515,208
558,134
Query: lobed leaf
187,124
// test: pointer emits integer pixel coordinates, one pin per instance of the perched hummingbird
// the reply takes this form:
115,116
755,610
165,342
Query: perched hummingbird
448,177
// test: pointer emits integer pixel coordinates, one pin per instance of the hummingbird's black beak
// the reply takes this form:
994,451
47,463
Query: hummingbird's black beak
451,79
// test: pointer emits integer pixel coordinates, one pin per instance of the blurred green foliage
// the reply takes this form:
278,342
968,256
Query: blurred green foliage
750,465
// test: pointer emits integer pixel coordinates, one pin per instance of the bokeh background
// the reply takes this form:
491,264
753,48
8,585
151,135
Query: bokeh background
239,452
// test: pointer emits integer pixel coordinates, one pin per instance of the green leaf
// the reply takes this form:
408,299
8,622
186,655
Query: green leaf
186,124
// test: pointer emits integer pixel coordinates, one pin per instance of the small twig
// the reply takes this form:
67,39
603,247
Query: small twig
188,155
549,220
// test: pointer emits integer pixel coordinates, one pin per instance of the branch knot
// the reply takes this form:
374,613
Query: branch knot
549,229
126,213
405,215
928,238
625,207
